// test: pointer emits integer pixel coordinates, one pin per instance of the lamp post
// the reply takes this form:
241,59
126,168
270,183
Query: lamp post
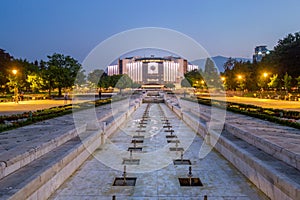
264,77
16,95
241,82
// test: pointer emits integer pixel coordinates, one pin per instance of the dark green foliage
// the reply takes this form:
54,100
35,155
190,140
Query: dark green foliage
61,72
283,61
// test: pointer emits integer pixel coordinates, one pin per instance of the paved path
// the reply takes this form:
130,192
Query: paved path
9,108
266,103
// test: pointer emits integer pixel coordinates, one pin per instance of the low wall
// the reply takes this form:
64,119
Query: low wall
9,166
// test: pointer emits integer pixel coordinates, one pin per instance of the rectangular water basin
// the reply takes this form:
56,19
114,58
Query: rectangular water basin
119,181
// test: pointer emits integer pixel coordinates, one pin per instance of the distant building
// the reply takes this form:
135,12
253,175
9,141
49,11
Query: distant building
260,52
152,70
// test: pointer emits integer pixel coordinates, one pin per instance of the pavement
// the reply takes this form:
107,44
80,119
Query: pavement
265,103
10,108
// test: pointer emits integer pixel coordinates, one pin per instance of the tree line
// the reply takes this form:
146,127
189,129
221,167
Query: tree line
59,73
278,70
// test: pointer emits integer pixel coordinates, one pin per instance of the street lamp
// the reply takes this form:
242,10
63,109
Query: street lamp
16,98
265,74
14,71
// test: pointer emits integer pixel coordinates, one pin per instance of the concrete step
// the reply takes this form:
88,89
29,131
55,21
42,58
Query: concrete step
274,177
34,145
41,177
277,178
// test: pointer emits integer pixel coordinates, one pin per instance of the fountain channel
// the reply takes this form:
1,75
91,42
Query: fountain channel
154,155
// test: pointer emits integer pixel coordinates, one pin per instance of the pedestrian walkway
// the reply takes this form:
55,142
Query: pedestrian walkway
10,108
265,103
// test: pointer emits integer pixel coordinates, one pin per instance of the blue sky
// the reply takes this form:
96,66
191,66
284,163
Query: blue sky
33,29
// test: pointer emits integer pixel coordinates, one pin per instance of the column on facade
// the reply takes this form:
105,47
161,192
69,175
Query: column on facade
134,71
113,70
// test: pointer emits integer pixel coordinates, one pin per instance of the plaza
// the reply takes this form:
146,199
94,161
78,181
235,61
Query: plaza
149,100
252,159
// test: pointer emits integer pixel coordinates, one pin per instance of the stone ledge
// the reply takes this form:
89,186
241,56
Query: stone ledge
272,180
49,166
266,174
15,163
278,152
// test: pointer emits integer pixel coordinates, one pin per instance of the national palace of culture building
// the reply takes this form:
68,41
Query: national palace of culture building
152,70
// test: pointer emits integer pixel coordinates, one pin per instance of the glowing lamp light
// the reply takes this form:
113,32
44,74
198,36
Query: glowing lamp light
14,71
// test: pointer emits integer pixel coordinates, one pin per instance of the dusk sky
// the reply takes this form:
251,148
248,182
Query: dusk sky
33,29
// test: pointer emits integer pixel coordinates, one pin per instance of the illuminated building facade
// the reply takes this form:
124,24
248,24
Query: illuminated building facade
152,70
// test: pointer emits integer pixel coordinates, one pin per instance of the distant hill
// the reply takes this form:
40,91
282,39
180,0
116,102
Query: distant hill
219,61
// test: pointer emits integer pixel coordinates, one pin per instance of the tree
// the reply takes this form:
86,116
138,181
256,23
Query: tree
80,78
136,85
211,75
298,82
229,64
273,81
185,83
63,70
5,67
287,82
124,81
36,81
287,53
95,77
193,78
241,83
